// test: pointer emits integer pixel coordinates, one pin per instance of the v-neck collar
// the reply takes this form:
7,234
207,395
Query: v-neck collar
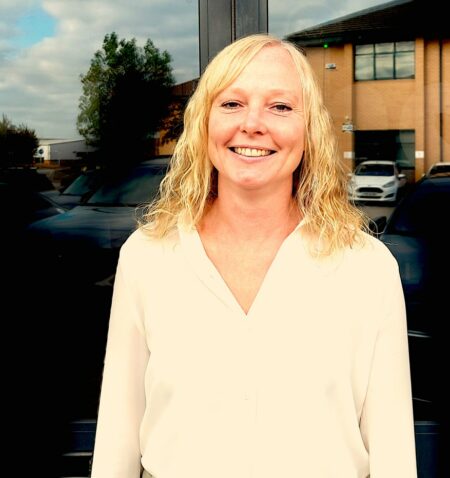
208,273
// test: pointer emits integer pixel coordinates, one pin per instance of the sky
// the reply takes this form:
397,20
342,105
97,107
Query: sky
45,45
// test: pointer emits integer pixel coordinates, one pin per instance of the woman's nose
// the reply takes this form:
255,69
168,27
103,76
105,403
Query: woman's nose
253,121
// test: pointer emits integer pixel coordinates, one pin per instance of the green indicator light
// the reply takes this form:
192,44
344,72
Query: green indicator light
325,45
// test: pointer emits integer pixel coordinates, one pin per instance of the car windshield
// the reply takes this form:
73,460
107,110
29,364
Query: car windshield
424,212
136,188
83,184
375,170
440,169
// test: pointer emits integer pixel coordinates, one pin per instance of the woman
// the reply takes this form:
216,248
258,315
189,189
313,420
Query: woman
242,342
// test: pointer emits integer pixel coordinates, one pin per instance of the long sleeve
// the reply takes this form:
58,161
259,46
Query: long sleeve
117,451
387,424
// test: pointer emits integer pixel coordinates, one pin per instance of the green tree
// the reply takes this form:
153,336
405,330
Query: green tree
126,97
17,144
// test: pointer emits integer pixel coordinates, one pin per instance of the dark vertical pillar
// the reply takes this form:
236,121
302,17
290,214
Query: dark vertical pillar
223,21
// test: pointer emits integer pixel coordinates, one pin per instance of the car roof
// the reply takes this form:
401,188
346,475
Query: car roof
442,179
375,161
157,161
422,207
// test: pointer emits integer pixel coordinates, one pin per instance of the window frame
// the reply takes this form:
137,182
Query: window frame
398,50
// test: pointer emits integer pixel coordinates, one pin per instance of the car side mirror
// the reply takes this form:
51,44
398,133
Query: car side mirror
401,176
377,225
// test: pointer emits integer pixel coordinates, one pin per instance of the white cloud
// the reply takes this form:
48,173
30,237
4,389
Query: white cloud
290,16
40,86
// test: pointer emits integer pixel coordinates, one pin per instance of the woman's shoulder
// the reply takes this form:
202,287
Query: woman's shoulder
371,252
363,248
141,245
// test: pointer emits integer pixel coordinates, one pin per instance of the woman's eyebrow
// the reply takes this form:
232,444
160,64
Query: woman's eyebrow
291,95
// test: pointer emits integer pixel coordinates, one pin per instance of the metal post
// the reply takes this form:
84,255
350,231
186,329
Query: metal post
223,21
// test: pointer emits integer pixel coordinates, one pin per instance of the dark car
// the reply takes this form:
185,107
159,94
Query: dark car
74,270
418,235
84,242
26,178
80,189
69,288
22,203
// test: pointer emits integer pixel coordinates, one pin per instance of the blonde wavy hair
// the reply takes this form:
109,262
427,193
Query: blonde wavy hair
320,188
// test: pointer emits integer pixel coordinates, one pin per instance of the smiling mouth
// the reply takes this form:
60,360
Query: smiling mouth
252,152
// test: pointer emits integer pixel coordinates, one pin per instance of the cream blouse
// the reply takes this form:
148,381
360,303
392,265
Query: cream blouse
313,382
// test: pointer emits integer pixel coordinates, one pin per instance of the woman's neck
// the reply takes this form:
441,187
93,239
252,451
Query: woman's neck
249,215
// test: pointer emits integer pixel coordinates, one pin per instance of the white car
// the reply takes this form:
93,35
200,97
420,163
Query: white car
437,169
375,181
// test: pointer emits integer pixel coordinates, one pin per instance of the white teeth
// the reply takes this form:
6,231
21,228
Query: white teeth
253,152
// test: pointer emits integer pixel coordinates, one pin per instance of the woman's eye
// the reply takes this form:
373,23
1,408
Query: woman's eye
281,108
230,105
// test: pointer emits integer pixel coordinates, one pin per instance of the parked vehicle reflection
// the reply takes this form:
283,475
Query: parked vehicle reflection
71,265
376,181
418,234
80,189
23,200
83,244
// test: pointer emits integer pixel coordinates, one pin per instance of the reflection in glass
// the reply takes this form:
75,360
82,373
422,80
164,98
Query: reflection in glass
384,48
384,66
382,61
404,65
364,67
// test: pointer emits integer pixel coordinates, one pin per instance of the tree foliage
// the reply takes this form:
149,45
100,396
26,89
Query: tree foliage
17,144
126,97
174,121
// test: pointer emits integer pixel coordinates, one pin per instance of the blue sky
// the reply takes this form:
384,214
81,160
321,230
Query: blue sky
45,45
33,26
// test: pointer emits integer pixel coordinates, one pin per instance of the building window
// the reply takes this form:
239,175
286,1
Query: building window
391,145
384,61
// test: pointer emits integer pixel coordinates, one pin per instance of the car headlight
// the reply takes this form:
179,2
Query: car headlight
389,184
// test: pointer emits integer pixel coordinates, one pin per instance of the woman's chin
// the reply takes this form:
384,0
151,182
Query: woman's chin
250,182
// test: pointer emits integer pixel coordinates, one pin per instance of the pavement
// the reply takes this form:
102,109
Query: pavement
377,210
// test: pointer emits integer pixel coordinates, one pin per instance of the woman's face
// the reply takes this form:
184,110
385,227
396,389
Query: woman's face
256,125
